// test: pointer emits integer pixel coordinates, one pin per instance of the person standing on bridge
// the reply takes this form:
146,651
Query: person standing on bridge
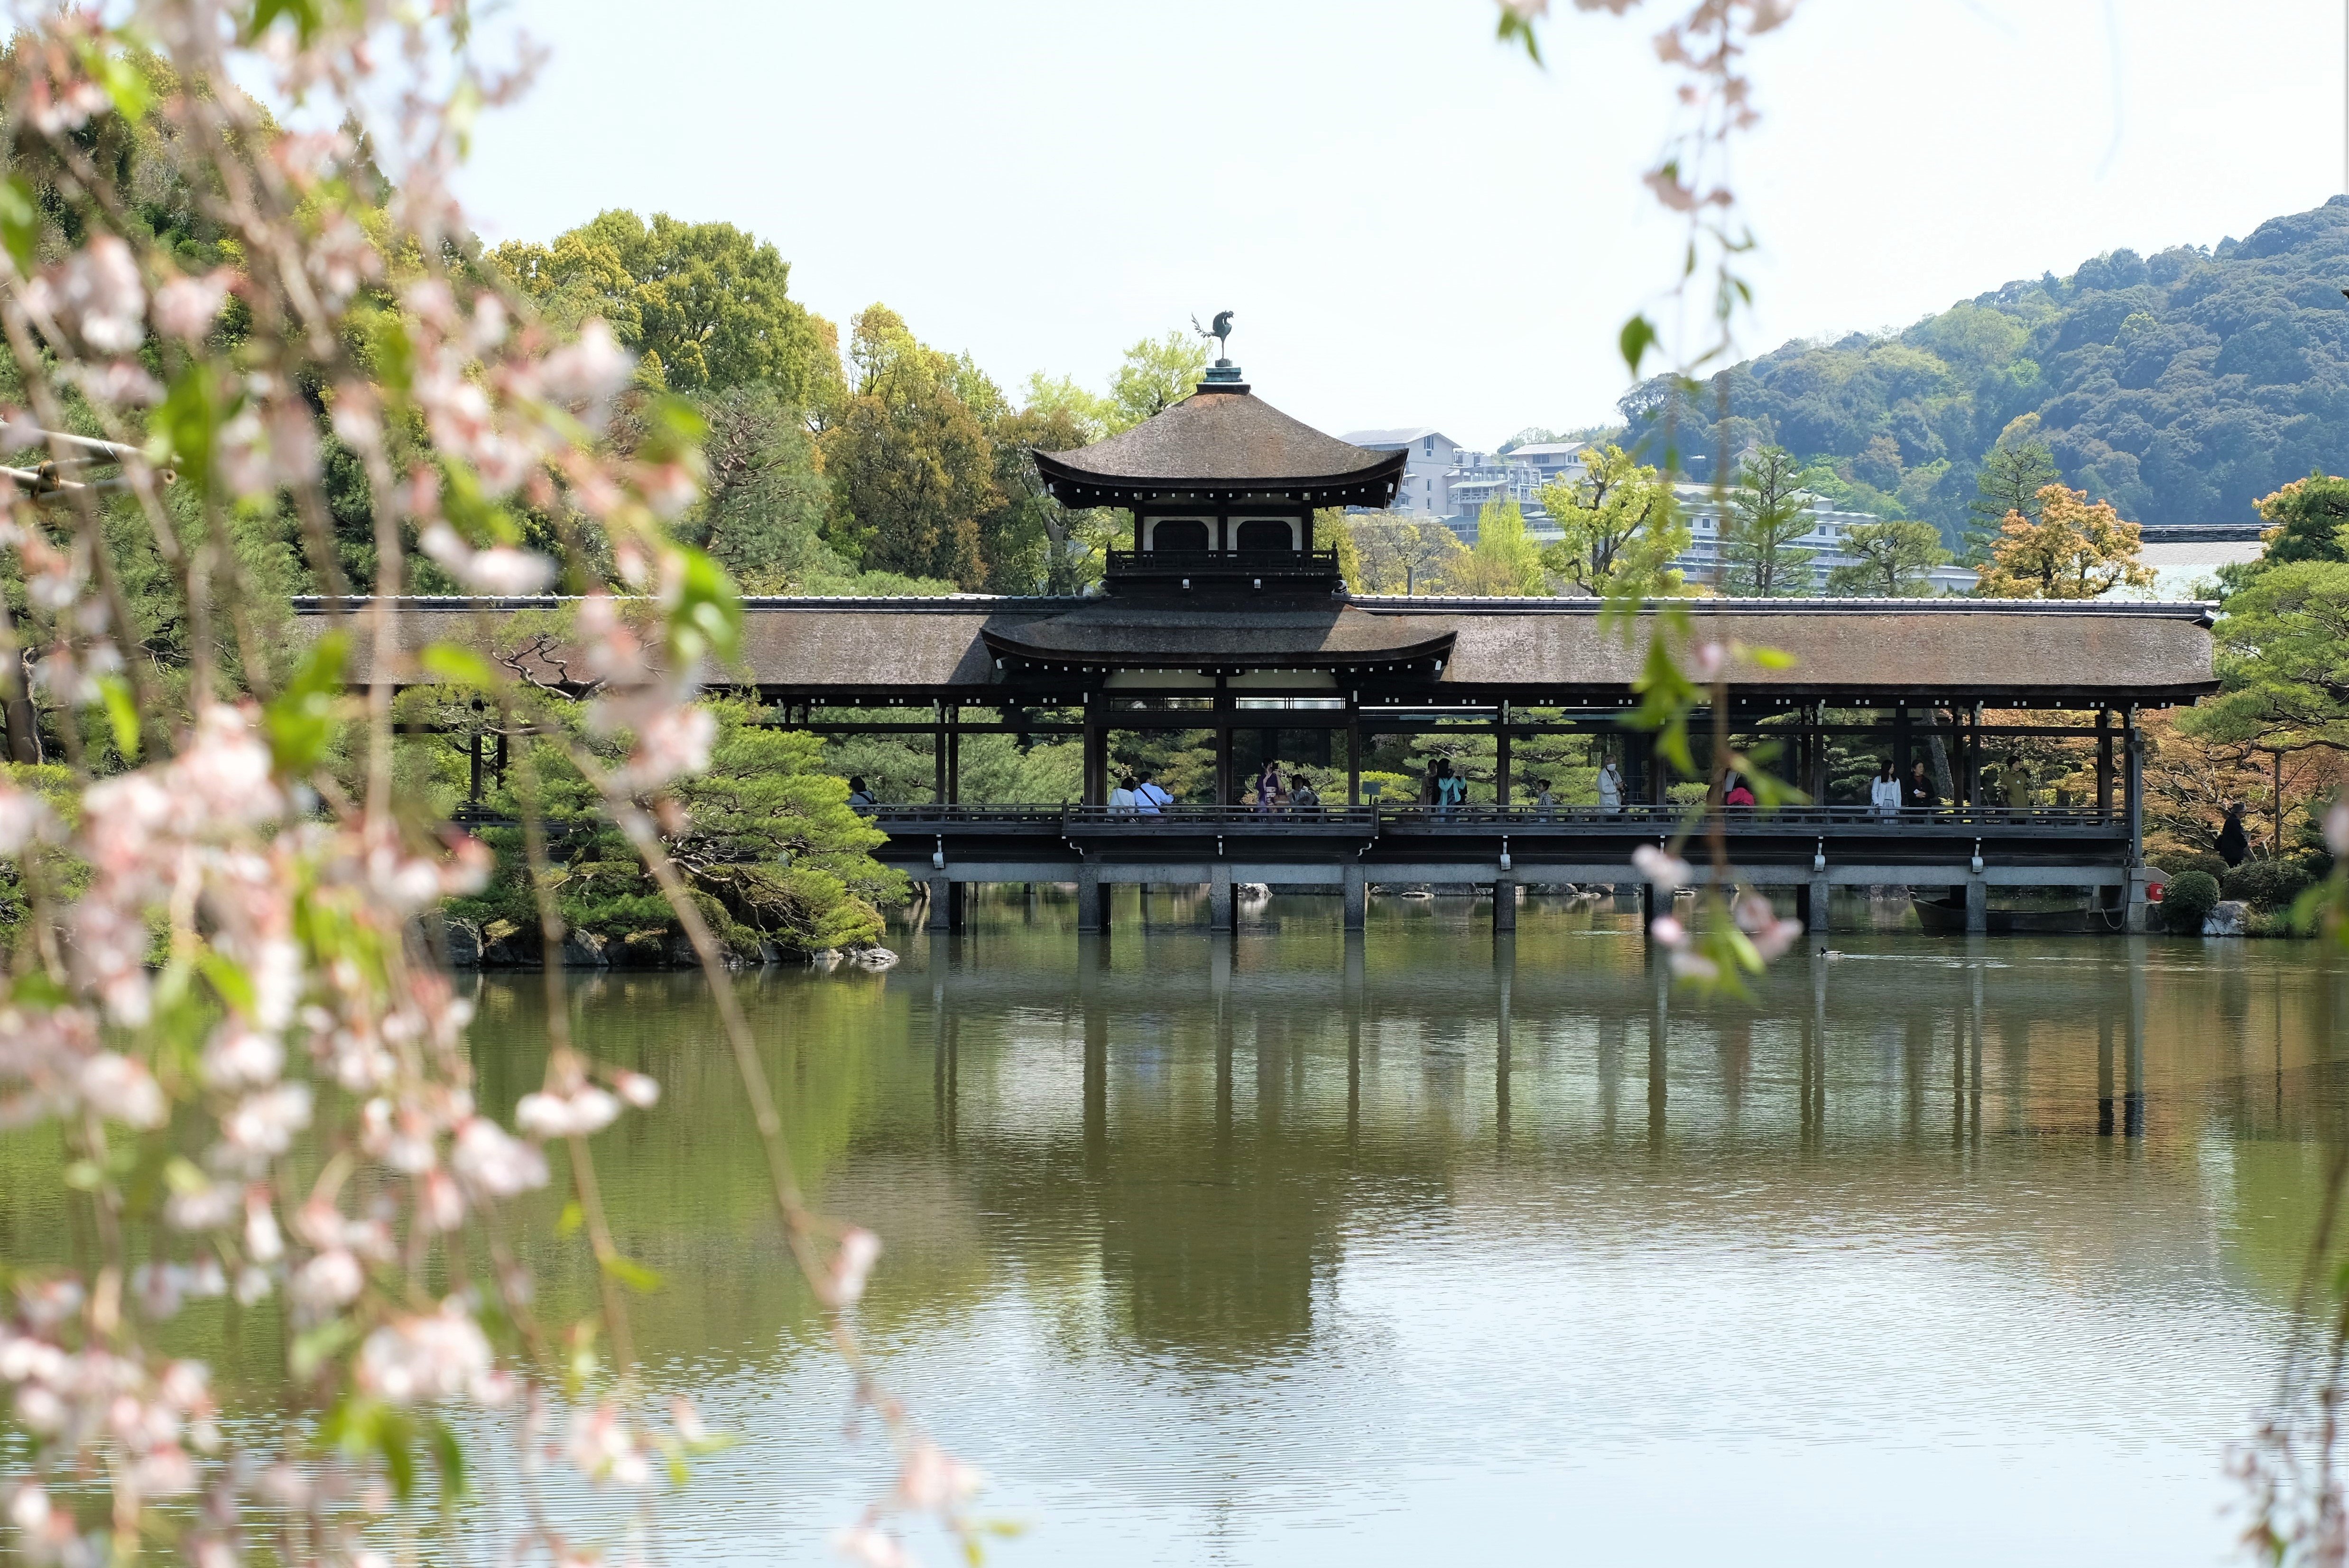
1122,799
1884,792
1150,797
1268,791
1610,787
860,798
1303,797
1921,795
1451,789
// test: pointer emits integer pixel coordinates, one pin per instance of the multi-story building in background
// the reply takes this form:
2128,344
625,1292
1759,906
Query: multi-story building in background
1426,488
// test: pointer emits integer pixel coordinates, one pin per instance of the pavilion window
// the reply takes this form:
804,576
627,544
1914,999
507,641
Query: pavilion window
1265,533
1181,533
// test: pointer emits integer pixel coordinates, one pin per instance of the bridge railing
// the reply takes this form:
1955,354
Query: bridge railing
1638,819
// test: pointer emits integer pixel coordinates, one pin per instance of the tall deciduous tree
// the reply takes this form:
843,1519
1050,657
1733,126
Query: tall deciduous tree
1768,510
1397,555
2074,549
1893,559
707,301
1156,374
1621,526
911,465
1504,562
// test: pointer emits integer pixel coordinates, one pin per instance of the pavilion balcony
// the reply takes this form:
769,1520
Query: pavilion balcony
1246,569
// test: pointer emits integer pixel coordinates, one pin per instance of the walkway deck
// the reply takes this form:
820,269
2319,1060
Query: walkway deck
1811,849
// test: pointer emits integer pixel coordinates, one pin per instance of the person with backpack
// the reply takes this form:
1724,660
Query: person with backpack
1150,798
860,798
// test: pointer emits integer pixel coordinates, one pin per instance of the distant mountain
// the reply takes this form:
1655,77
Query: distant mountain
2181,387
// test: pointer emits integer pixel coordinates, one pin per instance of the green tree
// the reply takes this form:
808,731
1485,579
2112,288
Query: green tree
911,466
2007,484
1397,555
1504,562
2283,664
709,301
1621,525
1768,510
765,505
1156,374
2306,519
1893,559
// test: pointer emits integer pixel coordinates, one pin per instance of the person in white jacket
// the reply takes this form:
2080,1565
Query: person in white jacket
1884,792
1611,786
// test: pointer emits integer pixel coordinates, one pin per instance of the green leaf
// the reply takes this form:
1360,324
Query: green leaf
305,14
1771,659
573,1216
393,354
459,666
84,1176
393,1435
705,613
301,719
123,82
1637,337
448,1458
314,1348
20,224
229,979
34,989
633,1275
186,423
122,714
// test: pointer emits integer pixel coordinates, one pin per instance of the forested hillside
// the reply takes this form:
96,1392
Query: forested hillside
2181,387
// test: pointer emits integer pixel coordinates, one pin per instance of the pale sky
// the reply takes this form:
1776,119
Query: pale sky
1412,225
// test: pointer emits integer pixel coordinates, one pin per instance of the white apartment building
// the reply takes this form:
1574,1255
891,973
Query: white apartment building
1700,562
1427,490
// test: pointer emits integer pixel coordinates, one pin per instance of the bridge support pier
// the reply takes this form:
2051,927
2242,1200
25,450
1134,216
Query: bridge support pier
1219,897
1092,901
946,906
1505,906
1815,903
1977,906
1357,895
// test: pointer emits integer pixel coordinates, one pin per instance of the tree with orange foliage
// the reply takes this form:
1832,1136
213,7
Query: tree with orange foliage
2076,550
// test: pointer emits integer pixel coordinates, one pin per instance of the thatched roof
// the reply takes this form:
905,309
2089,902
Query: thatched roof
1546,651
1222,442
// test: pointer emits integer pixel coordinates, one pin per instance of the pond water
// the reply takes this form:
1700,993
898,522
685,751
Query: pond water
1283,1249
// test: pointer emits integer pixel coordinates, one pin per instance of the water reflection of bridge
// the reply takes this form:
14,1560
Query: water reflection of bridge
1208,1147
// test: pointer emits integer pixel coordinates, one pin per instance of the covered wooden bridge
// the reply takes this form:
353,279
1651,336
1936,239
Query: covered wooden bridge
1227,620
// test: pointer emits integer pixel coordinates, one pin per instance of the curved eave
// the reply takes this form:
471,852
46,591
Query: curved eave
1008,646
1374,486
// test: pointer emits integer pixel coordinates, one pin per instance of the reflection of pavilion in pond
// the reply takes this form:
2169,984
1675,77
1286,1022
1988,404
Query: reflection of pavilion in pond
1229,1139
1226,620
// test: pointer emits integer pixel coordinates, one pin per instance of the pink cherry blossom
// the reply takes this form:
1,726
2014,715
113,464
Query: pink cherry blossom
495,1162
852,1262
584,1111
186,307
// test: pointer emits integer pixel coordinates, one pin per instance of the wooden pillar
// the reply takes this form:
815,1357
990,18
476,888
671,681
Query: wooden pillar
954,755
1353,752
500,770
1819,775
1977,906
1900,755
2104,762
939,757
1973,757
1096,759
473,760
2133,783
1501,758
1219,896
1504,903
942,910
1357,895
1223,743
